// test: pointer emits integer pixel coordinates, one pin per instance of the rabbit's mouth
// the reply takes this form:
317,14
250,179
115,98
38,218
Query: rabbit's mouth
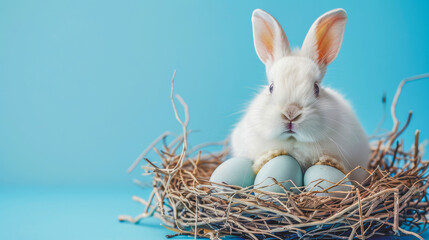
290,127
288,133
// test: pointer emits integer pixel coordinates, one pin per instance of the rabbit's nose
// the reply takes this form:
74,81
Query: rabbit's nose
292,112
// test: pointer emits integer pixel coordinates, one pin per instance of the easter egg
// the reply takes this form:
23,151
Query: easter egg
282,168
234,171
314,180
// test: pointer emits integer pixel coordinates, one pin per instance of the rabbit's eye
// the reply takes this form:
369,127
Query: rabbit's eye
316,89
271,87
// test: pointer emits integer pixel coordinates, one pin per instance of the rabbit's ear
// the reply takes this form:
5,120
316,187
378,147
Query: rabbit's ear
323,40
269,38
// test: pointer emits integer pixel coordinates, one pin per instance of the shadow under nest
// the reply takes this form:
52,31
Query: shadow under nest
391,201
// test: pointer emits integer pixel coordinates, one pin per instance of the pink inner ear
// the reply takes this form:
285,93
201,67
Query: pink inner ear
329,37
267,38
264,39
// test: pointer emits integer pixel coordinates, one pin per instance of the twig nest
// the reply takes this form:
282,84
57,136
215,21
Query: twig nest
234,171
327,181
285,170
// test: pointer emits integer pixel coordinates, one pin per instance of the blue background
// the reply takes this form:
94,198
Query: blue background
84,88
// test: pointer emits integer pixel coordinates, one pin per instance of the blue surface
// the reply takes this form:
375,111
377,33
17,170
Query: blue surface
84,88
72,213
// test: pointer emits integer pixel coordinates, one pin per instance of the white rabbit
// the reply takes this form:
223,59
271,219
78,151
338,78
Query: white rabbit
293,113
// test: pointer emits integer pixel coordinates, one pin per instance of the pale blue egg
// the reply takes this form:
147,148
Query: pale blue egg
234,171
315,174
282,168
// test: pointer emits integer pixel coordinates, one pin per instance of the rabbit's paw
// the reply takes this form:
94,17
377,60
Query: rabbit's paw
331,161
264,158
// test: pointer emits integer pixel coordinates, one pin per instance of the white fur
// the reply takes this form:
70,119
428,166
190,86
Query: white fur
328,125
